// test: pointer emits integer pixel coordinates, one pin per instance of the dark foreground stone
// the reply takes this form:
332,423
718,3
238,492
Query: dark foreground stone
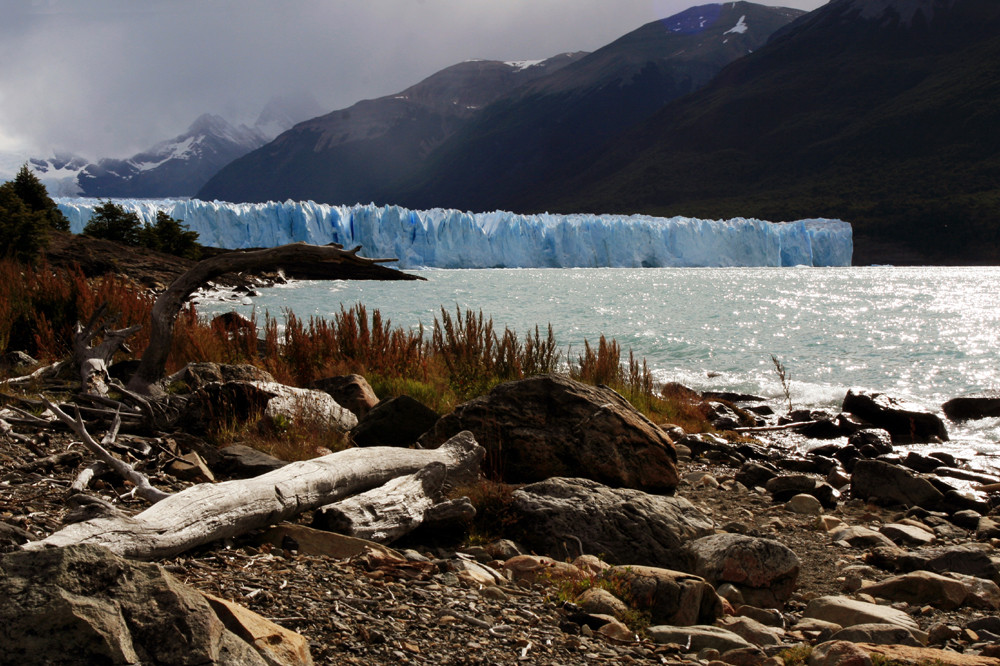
552,426
564,516
85,605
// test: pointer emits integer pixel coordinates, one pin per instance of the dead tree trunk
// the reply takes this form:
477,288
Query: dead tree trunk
388,512
93,361
211,511
167,306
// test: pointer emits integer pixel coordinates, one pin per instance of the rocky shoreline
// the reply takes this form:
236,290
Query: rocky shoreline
628,542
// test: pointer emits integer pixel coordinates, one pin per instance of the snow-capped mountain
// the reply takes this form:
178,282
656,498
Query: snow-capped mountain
57,172
176,167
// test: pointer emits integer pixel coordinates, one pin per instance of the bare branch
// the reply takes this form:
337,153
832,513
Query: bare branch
151,369
143,488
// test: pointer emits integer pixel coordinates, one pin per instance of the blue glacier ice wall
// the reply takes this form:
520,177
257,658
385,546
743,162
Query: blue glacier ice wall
455,239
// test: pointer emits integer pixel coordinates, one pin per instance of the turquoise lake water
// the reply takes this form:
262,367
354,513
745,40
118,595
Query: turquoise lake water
923,334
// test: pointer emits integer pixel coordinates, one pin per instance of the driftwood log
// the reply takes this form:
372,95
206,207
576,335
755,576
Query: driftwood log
151,368
388,512
208,512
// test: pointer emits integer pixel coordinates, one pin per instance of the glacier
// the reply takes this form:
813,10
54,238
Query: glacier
443,238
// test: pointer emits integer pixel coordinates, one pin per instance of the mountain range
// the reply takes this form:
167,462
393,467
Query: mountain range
474,135
880,112
360,153
176,167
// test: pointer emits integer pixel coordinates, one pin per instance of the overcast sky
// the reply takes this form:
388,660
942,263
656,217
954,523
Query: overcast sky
107,78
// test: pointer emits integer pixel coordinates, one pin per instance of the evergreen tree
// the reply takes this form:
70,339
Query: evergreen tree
22,230
171,236
112,222
33,193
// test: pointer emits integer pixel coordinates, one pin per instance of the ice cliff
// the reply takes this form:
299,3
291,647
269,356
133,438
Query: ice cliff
455,239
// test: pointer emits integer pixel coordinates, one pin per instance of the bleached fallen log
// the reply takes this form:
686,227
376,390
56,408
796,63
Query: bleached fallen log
211,511
388,512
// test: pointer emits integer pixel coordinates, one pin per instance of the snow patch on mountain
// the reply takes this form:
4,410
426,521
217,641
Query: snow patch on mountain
739,28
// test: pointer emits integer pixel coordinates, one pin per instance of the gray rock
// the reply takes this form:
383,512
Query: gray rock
919,588
243,462
598,601
753,475
906,423
625,526
783,488
881,482
860,537
82,604
972,559
877,438
879,634
398,421
197,375
764,570
907,535
695,638
670,597
551,425
752,630
838,653
848,612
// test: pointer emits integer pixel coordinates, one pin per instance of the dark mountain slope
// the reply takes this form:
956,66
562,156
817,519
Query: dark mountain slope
547,124
883,113
353,154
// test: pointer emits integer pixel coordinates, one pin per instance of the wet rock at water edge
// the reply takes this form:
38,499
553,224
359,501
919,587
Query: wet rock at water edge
907,424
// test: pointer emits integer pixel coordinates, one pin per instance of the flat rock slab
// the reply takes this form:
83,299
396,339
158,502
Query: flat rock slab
880,634
847,612
553,426
923,655
698,637
907,535
920,588
562,516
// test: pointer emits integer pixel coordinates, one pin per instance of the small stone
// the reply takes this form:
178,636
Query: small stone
806,504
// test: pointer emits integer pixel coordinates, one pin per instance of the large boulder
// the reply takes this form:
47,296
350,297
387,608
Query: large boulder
560,516
907,424
239,401
85,605
764,570
884,483
196,375
551,425
398,421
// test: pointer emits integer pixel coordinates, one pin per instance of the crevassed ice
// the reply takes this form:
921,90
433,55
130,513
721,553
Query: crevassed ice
442,238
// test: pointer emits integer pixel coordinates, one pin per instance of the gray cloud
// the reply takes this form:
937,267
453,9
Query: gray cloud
111,77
